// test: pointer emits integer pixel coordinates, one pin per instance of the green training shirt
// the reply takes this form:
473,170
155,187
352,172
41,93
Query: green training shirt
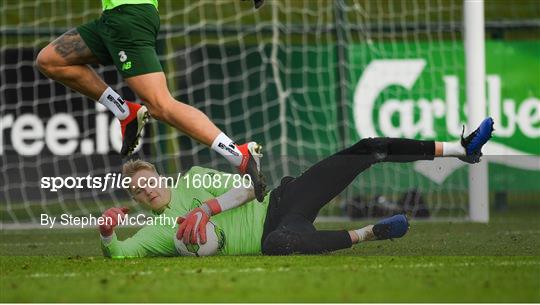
242,226
109,4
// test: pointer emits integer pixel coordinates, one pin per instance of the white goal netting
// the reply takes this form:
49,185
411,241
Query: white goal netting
287,75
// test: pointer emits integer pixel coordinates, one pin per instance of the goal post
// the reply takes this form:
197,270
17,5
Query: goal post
476,102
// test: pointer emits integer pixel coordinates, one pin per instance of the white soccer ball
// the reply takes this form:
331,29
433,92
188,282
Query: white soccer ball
215,239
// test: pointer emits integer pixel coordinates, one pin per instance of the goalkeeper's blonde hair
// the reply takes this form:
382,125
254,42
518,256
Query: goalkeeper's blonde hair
133,166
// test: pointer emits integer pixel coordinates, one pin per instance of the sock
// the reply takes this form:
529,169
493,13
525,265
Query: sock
365,233
114,102
226,147
453,149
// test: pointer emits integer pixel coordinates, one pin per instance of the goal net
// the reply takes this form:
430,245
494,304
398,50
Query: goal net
304,78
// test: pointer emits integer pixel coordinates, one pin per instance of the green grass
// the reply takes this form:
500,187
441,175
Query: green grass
435,262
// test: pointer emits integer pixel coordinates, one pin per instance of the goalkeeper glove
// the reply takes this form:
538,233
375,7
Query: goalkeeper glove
111,220
195,222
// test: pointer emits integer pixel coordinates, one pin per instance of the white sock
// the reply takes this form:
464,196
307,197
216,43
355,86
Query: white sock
115,103
453,149
226,147
365,234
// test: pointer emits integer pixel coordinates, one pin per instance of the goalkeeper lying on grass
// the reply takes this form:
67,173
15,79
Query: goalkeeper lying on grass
283,223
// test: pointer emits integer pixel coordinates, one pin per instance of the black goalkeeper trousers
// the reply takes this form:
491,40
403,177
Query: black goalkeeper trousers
295,203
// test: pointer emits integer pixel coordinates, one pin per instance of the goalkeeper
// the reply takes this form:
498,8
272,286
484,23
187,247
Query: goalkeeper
283,224
125,35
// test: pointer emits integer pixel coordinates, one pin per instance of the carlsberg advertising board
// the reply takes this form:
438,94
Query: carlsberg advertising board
417,90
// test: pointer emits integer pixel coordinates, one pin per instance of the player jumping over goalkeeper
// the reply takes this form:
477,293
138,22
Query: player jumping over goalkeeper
283,224
125,35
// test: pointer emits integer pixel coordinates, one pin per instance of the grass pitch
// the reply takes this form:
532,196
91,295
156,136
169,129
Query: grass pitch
434,262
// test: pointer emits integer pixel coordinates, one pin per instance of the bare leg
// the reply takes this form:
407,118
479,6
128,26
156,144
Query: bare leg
354,237
365,235
65,60
438,149
152,88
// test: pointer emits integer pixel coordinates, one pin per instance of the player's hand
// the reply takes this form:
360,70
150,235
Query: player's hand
111,220
192,224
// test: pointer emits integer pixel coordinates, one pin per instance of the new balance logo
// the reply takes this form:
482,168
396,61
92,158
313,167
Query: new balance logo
126,66
229,149
118,102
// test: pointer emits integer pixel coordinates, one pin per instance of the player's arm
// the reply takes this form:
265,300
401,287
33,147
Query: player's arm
227,197
231,199
195,221
110,245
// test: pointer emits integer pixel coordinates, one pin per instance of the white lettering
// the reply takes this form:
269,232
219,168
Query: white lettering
529,115
70,182
401,118
152,182
55,133
386,112
64,219
45,182
46,220
5,123
57,183
378,75
27,127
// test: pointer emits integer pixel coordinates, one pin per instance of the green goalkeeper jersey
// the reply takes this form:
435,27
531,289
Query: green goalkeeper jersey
109,4
242,226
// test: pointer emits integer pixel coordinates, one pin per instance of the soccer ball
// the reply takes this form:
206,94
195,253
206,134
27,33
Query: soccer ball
215,239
